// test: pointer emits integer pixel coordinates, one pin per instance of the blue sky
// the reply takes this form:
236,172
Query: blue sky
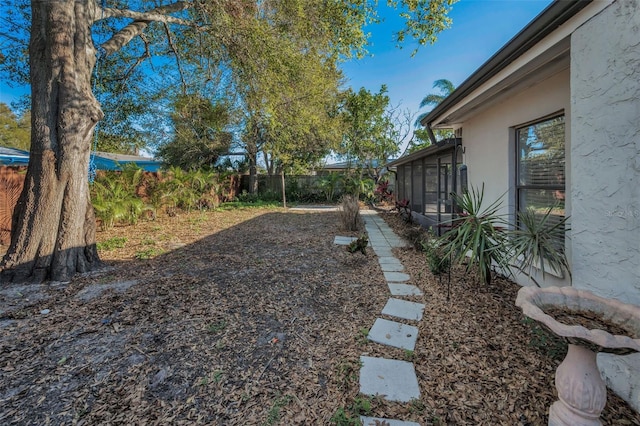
480,28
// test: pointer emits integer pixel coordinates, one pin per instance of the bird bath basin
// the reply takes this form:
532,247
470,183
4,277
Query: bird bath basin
589,324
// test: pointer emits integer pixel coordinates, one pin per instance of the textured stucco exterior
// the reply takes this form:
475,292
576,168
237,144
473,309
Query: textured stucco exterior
489,145
605,169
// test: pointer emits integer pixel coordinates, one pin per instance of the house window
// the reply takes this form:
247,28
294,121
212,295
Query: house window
540,167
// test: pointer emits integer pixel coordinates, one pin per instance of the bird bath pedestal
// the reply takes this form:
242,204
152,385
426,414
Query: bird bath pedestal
611,326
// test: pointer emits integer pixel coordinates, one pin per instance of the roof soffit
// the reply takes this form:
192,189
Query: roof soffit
542,42
543,67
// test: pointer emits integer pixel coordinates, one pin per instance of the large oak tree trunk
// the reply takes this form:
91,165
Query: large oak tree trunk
54,226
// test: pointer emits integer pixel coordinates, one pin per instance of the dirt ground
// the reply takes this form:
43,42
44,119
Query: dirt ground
255,317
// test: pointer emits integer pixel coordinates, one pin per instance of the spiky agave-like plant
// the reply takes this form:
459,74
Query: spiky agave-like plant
536,242
478,236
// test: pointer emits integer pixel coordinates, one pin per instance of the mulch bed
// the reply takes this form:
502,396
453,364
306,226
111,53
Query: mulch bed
255,317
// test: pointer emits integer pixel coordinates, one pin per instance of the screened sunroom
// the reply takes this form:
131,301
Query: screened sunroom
426,178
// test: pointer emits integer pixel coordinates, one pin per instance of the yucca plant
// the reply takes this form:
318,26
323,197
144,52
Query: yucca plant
538,241
478,235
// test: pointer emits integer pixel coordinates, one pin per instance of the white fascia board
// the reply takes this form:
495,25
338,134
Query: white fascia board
565,30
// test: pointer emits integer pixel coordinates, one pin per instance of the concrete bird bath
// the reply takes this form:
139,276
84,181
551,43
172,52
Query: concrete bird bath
582,394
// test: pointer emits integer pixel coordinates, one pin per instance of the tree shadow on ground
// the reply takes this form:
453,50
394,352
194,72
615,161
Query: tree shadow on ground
217,331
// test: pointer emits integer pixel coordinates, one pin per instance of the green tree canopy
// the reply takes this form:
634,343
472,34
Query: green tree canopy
369,136
15,132
200,134
68,39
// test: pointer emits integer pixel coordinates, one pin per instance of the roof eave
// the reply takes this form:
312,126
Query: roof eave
545,23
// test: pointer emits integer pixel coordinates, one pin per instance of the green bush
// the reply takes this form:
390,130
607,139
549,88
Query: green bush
439,263
123,197
114,203
362,188
330,185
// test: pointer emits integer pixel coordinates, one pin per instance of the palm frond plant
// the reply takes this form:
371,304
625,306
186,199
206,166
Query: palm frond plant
114,202
330,184
358,185
478,236
131,176
537,242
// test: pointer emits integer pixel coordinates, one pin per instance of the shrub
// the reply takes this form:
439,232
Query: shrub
439,262
330,184
360,187
359,244
115,203
478,236
537,240
350,213
383,192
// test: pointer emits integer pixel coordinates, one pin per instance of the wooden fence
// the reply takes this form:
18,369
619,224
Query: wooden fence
273,184
11,183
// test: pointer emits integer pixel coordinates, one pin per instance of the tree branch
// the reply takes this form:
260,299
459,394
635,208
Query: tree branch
141,21
146,55
175,53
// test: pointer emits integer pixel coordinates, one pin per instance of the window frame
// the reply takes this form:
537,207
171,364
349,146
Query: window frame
519,188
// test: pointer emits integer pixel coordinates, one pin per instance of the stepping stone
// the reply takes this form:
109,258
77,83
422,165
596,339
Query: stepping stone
383,251
397,242
380,245
392,267
403,309
394,334
377,237
94,290
389,260
398,289
375,421
343,241
396,277
395,380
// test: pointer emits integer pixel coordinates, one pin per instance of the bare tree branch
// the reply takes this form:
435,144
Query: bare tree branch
146,55
175,53
140,23
402,120
154,15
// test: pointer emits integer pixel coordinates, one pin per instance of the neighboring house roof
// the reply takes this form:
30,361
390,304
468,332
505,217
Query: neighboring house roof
111,161
345,165
102,160
13,157
480,91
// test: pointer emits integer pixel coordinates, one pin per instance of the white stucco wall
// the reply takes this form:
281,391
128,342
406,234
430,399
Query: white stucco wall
489,142
605,169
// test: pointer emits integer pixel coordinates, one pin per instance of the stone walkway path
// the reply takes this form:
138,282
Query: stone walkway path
394,380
